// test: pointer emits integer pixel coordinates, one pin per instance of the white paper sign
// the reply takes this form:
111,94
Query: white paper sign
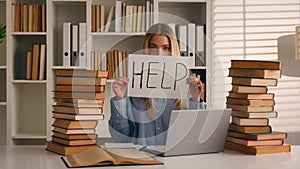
154,76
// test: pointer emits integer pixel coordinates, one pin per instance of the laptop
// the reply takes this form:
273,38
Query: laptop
194,132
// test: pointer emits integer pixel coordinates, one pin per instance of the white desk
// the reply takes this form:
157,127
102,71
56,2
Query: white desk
35,157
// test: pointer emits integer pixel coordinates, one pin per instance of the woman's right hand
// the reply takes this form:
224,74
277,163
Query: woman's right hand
120,86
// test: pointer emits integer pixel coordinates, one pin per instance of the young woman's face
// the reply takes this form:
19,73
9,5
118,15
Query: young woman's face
159,45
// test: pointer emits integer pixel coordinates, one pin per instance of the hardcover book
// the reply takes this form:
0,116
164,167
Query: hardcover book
255,73
251,102
256,150
67,150
251,115
258,136
250,122
256,64
246,142
250,129
261,96
75,124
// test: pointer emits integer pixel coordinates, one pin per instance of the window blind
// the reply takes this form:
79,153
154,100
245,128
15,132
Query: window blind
249,29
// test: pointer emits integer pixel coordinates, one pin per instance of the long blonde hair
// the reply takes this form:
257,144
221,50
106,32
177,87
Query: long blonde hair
161,29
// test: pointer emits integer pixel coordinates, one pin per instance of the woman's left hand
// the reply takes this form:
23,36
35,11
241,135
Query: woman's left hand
195,87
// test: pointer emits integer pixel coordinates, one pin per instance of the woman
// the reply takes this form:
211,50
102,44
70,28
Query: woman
145,120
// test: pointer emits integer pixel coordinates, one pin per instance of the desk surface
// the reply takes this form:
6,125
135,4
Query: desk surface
36,157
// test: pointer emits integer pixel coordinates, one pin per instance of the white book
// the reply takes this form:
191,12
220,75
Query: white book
67,44
118,16
128,20
92,60
42,66
144,19
134,18
75,57
82,44
200,43
182,38
191,43
103,61
148,15
139,18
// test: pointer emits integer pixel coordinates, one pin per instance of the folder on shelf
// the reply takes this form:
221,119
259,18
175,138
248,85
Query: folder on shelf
67,44
75,55
82,44
191,42
200,46
173,26
182,38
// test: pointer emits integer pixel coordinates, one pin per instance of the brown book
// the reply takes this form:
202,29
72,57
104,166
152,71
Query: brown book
250,115
246,142
255,73
25,17
73,142
102,157
256,150
67,150
78,88
30,18
250,122
80,102
79,73
256,64
249,89
35,62
78,116
18,17
94,18
75,124
43,18
250,129
77,110
251,95
258,136
80,81
74,131
250,108
78,95
253,81
251,102
35,17
29,65
74,136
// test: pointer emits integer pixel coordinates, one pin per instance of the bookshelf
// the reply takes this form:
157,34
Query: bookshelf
3,81
29,102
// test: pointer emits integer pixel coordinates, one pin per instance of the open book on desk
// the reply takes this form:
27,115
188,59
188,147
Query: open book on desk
100,157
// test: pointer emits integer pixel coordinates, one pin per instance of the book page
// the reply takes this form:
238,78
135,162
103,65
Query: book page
87,158
131,156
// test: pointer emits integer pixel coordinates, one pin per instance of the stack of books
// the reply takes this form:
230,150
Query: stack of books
252,106
79,96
